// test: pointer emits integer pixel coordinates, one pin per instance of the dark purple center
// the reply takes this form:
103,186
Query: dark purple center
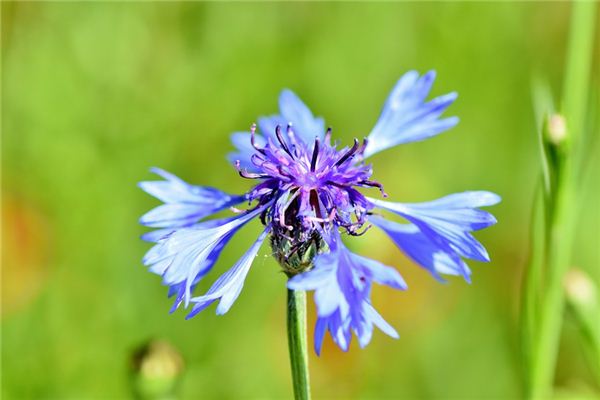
310,185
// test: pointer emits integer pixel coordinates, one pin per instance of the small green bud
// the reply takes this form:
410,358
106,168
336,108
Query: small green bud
580,289
581,293
296,256
557,129
157,366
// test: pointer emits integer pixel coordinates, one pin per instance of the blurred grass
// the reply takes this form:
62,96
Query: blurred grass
94,94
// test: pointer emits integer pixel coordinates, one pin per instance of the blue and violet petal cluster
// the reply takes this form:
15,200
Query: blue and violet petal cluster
308,194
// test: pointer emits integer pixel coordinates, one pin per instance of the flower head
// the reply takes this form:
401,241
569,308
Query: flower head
308,193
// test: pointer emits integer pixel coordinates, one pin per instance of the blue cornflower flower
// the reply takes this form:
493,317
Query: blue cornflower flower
306,197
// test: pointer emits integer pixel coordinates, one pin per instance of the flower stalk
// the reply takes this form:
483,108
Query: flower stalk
296,327
559,232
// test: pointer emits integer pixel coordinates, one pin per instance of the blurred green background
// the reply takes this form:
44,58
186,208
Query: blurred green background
93,94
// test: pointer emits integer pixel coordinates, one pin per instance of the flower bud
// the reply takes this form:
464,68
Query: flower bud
557,129
293,255
157,367
580,289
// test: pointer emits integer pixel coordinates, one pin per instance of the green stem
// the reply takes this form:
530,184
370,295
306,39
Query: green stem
558,253
296,326
531,291
576,84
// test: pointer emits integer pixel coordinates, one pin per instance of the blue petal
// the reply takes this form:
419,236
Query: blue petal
381,323
293,111
189,252
314,278
185,204
340,331
228,287
448,221
380,273
406,117
179,289
342,284
268,125
175,215
157,234
304,124
440,231
245,150
339,328
323,279
320,329
421,249
469,199
204,269
175,190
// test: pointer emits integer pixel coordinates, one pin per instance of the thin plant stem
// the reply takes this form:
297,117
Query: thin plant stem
558,252
532,276
296,327
579,64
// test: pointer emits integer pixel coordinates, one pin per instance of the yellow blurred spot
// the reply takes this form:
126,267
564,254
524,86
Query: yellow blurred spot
557,128
24,252
579,287
157,366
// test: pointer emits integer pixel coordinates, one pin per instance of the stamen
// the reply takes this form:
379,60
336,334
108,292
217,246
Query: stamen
248,175
283,209
348,154
375,184
251,175
281,141
363,146
353,231
263,216
313,162
292,136
330,218
257,160
253,140
328,136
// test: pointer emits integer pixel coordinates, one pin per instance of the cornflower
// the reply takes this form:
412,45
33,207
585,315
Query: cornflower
309,194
